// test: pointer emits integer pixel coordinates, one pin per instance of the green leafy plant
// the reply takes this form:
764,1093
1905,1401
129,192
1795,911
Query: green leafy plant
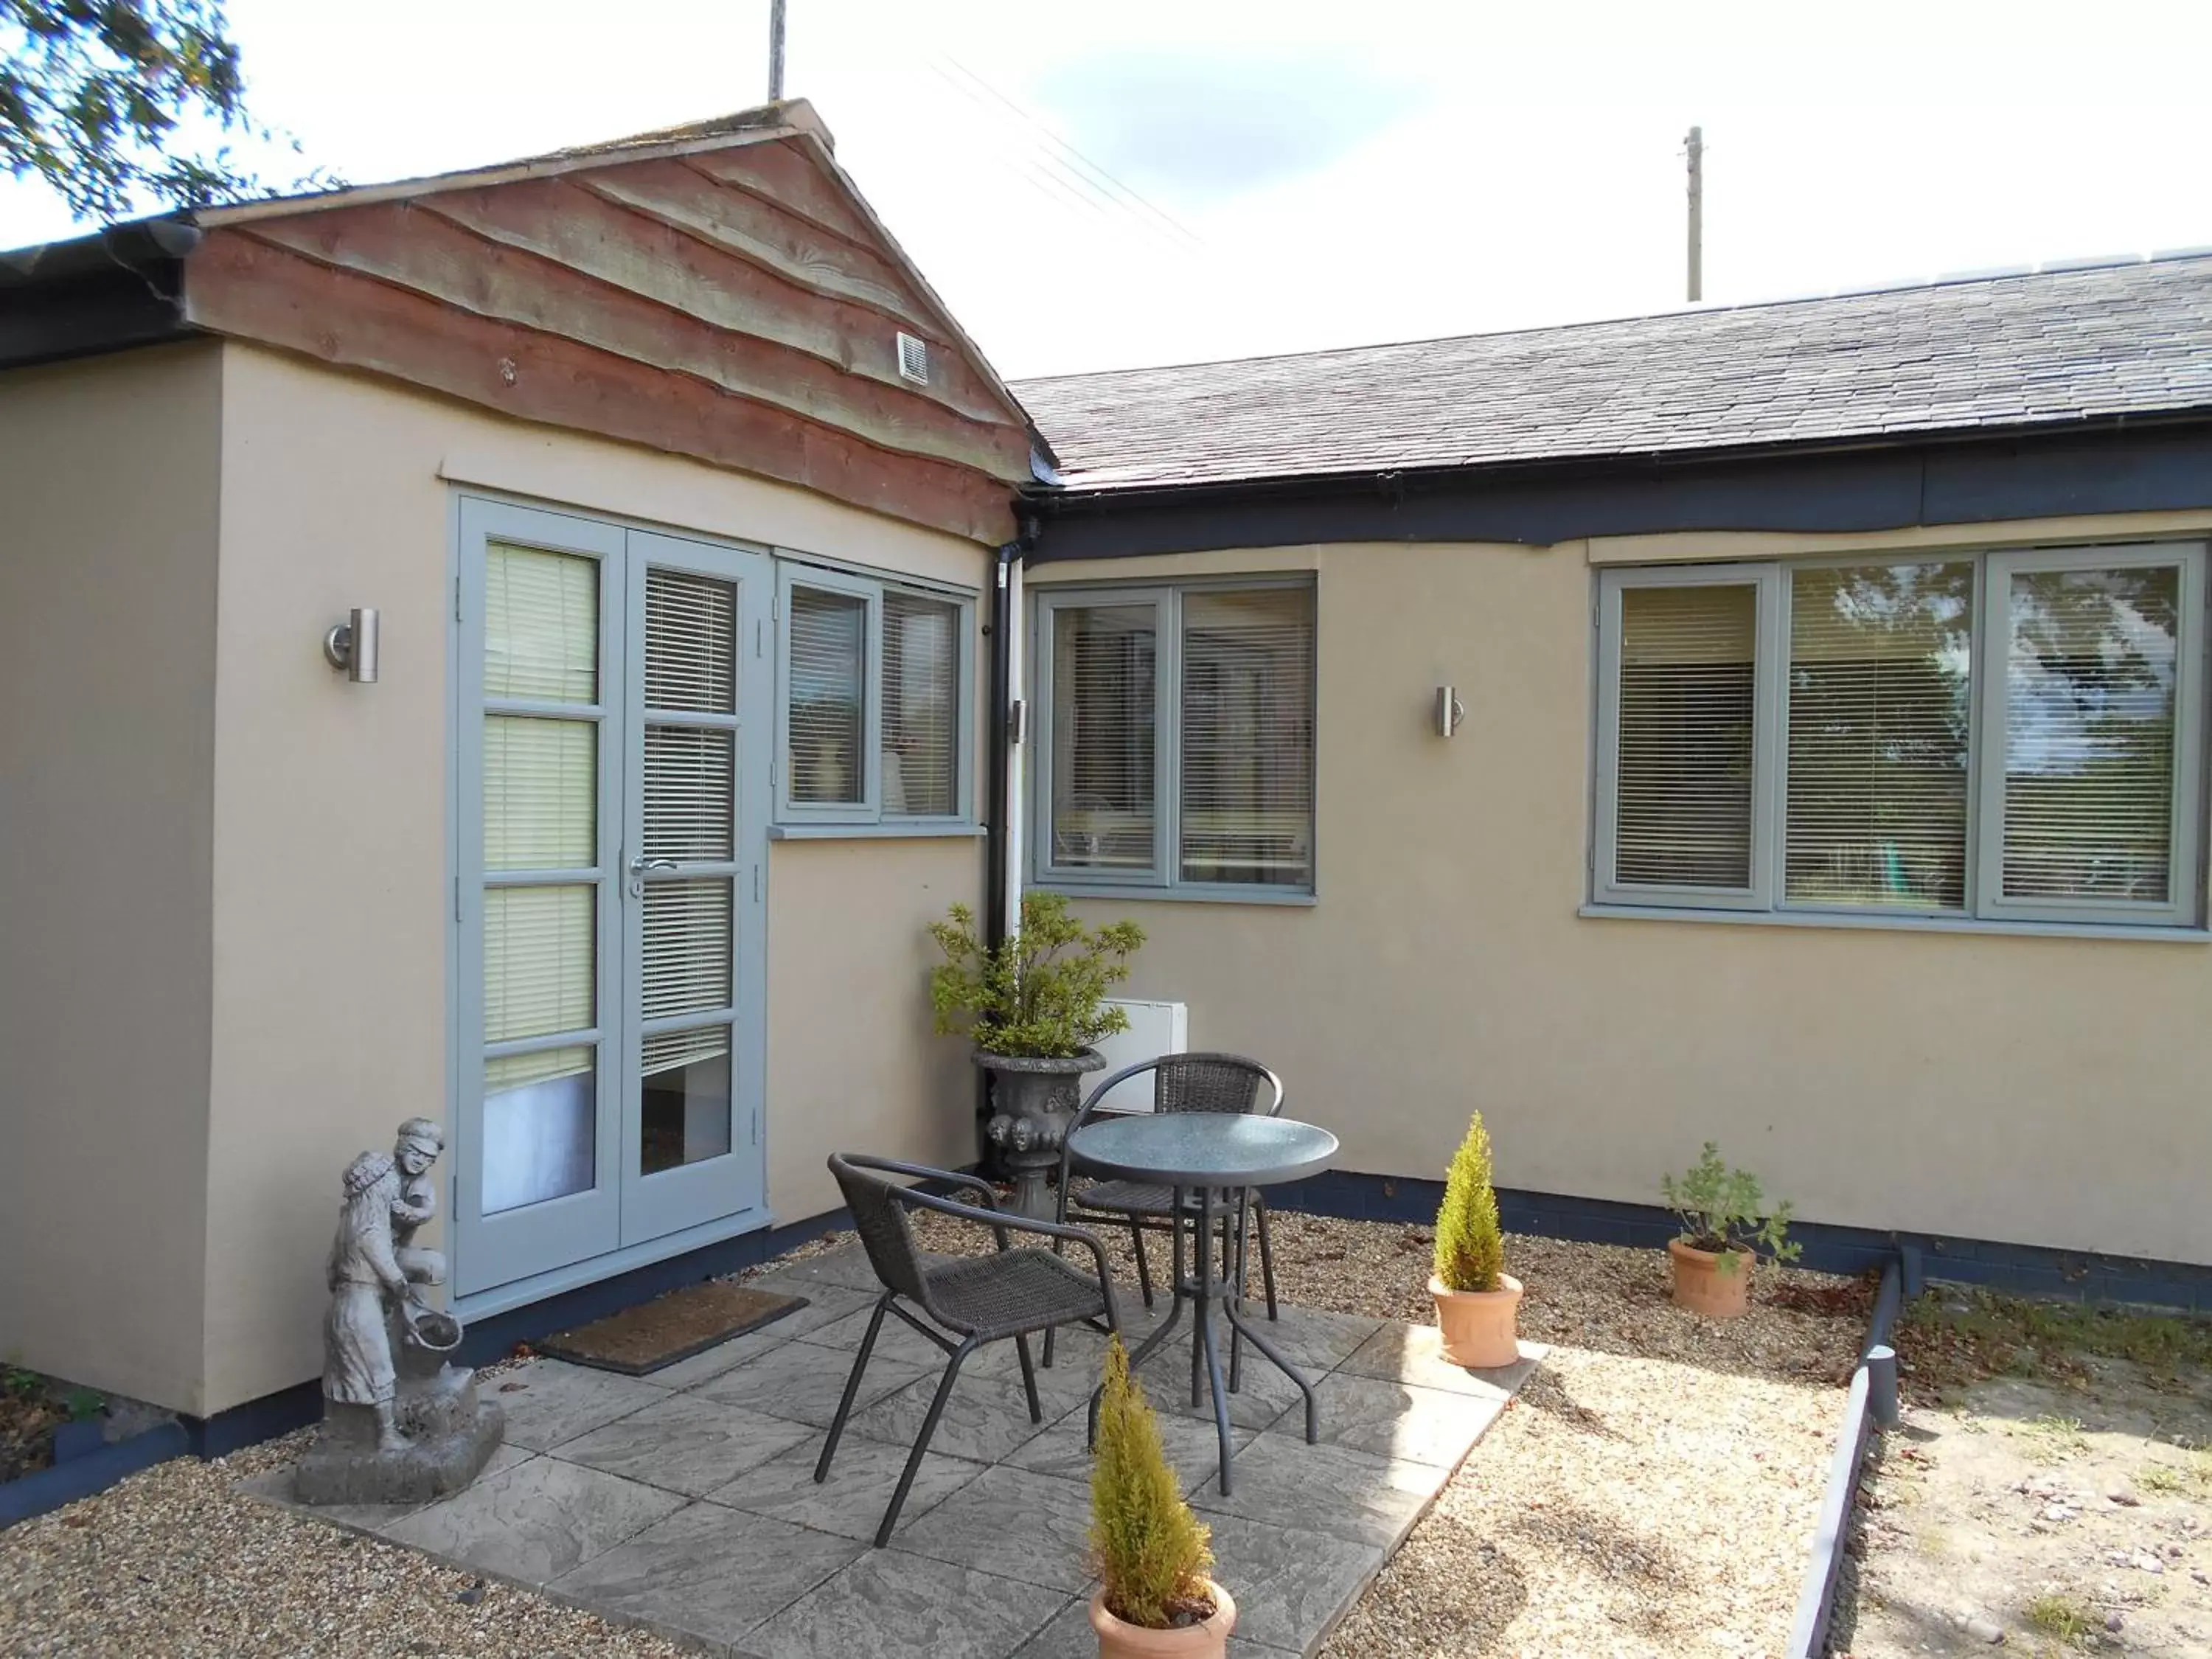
83,1405
1151,1554
1040,994
1722,1211
17,1384
1470,1249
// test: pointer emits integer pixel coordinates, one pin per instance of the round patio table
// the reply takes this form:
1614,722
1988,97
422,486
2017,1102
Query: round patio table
1208,1158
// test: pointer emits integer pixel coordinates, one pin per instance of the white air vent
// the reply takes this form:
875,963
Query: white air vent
913,359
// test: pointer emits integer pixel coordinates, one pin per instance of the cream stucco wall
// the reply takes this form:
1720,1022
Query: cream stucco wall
332,896
2040,1090
107,623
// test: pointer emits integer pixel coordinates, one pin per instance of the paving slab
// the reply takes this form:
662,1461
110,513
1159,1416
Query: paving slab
1333,1489
888,1605
1291,1584
826,1304
687,1444
802,1383
986,1419
535,1520
896,1340
707,1572
851,1502
1013,1522
1397,1420
547,1401
1413,1353
1063,1452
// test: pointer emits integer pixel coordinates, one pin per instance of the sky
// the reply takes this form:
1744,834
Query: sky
1094,187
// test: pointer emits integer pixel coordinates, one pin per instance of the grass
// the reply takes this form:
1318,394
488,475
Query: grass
1949,1337
2160,1477
2063,1618
2052,1439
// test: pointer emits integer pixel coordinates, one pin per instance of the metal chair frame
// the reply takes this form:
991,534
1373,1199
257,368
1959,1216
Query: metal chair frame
1266,1102
880,1208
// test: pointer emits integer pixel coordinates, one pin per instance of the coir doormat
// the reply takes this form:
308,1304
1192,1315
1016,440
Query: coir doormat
639,1340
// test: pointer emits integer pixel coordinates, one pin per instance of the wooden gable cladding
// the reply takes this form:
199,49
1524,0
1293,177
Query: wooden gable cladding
738,307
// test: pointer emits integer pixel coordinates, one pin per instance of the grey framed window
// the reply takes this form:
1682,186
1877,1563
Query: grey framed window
1177,738
874,707
2009,735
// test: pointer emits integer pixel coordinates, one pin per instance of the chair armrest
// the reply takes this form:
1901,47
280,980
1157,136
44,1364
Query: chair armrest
952,1178
1000,1222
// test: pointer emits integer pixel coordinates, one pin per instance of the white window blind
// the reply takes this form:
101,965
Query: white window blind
827,642
1880,703
1105,671
2089,765
690,814
539,962
1687,701
541,782
541,625
1247,718
921,707
691,642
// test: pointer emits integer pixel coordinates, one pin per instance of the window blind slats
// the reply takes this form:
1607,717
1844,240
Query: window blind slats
690,801
541,782
1248,719
539,960
691,642
1880,702
828,643
687,956
541,625
1104,661
665,1051
2090,683
1688,711
921,702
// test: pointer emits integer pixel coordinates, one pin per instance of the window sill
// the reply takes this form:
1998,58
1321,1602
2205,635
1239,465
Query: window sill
2074,930
1291,897
924,831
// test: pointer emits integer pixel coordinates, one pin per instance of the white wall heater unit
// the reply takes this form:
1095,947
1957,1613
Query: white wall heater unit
1155,1028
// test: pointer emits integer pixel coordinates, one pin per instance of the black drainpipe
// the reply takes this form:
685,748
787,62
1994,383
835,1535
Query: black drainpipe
1000,628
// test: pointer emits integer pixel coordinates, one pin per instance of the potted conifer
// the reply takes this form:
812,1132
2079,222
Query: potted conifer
1034,1005
1155,1600
1477,1300
1723,1230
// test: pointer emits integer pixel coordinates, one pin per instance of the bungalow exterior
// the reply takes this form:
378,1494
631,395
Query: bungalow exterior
1830,780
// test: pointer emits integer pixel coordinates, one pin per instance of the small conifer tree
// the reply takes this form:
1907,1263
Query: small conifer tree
1151,1552
1470,1249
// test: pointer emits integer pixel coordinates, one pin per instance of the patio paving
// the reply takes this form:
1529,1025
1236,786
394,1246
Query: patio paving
686,1502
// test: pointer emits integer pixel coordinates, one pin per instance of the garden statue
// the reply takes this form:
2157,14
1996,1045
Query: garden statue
399,1424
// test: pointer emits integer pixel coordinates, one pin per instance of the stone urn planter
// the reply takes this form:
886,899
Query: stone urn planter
1118,1639
1034,1099
1714,1283
1479,1327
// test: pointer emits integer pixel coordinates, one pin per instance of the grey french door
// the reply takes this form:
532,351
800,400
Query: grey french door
613,722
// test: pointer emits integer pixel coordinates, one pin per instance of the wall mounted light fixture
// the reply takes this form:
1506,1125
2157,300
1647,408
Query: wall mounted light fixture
351,646
1450,711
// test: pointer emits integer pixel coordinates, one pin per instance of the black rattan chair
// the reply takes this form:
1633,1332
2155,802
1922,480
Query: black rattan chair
1181,1082
981,1298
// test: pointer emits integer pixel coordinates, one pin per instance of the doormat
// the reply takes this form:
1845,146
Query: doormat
639,1340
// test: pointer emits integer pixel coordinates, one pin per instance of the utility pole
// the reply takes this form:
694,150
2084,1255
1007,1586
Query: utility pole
1697,148
775,51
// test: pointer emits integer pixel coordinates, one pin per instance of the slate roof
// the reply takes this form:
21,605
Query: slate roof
2021,349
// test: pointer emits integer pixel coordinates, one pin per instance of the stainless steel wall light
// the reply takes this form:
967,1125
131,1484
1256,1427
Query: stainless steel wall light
1449,710
351,646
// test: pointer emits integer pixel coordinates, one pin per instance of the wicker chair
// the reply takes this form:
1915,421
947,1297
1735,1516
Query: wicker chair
1181,1082
985,1299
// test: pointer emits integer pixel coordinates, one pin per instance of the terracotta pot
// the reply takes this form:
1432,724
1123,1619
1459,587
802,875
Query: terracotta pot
1703,1284
1478,1325
1210,1640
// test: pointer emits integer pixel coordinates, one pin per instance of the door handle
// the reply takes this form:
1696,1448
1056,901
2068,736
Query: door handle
639,866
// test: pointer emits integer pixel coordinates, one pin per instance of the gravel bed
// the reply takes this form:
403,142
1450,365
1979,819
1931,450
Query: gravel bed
1650,1492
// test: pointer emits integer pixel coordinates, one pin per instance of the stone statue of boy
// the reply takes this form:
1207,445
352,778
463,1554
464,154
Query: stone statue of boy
375,1267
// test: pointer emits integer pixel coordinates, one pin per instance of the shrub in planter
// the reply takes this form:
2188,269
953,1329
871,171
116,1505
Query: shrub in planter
1725,1225
1477,1300
1033,1005
1151,1552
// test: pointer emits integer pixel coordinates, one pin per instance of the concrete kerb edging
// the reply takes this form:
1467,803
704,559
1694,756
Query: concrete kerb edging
96,1472
1816,1599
